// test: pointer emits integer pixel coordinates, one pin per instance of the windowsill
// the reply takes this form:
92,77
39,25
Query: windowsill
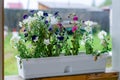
108,70
16,77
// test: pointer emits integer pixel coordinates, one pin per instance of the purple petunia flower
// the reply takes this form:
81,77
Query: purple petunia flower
50,29
32,11
25,16
60,38
45,14
34,37
46,22
25,30
56,14
75,18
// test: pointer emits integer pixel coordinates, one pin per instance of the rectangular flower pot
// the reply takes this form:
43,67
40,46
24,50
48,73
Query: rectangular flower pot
58,66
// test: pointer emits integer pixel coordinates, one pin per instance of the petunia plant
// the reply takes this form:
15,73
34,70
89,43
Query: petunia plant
75,41
44,35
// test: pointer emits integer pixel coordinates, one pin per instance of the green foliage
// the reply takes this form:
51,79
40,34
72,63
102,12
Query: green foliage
89,48
106,3
43,35
10,66
96,29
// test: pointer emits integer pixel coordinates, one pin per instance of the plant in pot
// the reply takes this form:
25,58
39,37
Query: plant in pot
46,49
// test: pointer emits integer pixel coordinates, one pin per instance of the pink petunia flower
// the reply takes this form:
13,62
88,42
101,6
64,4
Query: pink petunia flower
75,18
74,28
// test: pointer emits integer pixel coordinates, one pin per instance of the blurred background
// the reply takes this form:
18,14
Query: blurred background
98,11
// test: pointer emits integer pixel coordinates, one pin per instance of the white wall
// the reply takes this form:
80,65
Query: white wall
116,34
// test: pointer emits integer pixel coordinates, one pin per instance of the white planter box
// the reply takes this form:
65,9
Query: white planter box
58,66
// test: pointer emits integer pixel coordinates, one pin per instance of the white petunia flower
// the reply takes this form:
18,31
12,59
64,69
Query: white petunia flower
14,40
47,41
50,15
102,34
40,13
29,20
89,23
90,36
20,24
25,21
54,20
48,19
88,29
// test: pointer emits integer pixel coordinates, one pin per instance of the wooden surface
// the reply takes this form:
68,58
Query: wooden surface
78,77
1,39
91,76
